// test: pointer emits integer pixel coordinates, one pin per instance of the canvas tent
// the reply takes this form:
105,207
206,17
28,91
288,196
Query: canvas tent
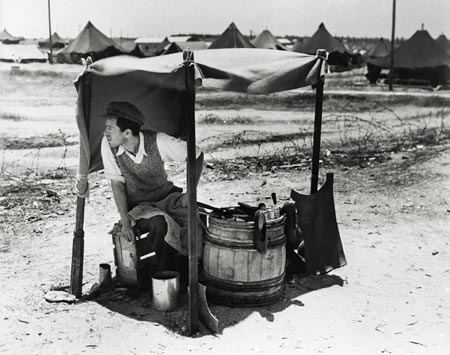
57,42
7,38
231,38
322,39
380,50
444,43
90,42
267,40
419,59
175,47
151,46
163,88
21,53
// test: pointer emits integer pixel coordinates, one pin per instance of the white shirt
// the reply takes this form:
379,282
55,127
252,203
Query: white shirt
170,149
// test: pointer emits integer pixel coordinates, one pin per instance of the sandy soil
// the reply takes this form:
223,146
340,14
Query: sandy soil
392,297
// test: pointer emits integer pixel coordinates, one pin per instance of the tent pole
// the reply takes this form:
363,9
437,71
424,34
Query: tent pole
76,273
50,34
391,66
317,123
188,57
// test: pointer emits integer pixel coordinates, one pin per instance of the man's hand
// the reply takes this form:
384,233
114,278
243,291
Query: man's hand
128,232
120,198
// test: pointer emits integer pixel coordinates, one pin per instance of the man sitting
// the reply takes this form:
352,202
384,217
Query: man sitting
147,201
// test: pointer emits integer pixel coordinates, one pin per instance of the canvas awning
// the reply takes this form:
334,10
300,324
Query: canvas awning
162,89
155,84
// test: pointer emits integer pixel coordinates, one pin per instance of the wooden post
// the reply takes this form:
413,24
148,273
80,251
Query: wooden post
50,34
76,273
188,57
391,67
322,54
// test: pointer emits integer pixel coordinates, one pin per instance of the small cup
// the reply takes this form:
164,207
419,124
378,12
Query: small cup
105,280
273,213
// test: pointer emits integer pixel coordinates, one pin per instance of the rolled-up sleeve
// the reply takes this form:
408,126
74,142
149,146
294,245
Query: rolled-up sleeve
112,170
173,149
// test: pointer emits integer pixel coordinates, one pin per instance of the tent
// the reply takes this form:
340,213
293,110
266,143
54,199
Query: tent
21,53
7,38
90,42
420,59
163,88
176,47
57,42
152,46
267,40
231,38
322,39
380,49
444,43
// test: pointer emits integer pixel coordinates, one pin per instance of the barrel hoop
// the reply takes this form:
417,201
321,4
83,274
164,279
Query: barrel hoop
272,243
229,299
250,286
245,225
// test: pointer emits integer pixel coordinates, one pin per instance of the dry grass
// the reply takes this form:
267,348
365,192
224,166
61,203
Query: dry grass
36,142
305,101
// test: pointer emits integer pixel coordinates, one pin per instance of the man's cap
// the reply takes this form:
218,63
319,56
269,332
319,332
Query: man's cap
126,110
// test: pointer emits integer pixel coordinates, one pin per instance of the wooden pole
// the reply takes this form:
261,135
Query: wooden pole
76,273
317,124
391,67
188,57
50,34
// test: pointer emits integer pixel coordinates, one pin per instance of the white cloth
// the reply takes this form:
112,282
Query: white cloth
170,149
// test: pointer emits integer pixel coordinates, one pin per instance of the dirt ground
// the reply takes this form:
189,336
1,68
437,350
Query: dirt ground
392,297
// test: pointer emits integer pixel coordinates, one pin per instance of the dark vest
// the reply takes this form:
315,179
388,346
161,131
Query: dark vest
147,181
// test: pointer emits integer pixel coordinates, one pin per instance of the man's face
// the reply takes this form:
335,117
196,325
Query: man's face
113,134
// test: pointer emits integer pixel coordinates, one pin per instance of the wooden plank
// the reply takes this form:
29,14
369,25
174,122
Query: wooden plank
276,262
226,266
188,57
211,263
76,272
254,265
267,264
241,265
317,129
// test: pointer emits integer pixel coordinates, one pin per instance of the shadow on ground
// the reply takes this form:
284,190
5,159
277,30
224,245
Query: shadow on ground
138,305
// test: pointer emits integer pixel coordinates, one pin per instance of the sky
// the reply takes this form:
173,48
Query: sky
136,18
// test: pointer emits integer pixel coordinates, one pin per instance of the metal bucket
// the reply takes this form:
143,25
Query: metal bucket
166,290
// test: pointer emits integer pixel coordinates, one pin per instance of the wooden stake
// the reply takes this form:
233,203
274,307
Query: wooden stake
76,273
317,124
188,57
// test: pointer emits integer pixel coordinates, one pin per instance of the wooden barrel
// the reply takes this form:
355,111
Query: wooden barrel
236,274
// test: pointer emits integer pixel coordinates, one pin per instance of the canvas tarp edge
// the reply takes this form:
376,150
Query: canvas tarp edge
82,188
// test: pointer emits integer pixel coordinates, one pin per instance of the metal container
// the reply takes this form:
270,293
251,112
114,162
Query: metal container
166,290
